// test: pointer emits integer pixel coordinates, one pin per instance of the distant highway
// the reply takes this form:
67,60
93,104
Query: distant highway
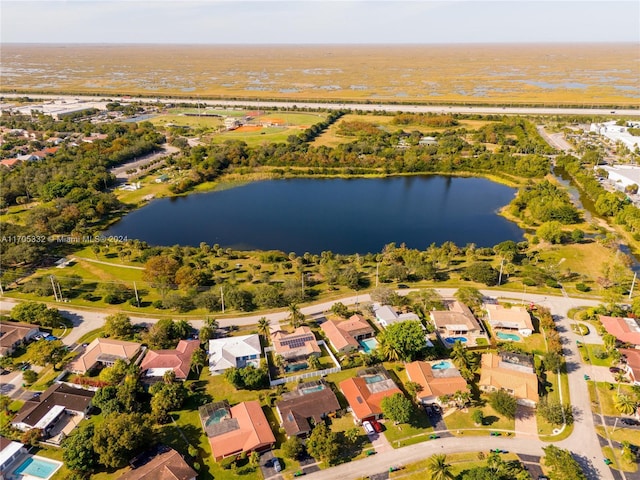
369,107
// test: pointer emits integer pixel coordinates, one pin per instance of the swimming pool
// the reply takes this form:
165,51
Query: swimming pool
368,344
217,416
317,388
373,378
508,336
452,340
35,467
443,365
294,367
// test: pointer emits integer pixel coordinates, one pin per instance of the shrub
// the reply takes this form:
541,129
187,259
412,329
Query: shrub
529,282
503,403
581,287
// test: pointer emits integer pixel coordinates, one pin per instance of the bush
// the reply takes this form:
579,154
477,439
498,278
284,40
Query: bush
581,287
550,282
529,282
503,403
29,376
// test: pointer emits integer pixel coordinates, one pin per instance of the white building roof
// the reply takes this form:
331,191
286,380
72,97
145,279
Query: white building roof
49,417
8,452
224,351
617,133
386,314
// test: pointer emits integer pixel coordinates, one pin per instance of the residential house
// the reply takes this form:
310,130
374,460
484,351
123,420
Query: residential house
14,334
10,162
306,406
366,391
56,411
632,367
387,315
424,141
344,336
242,428
162,463
298,345
28,157
437,380
512,373
457,323
10,451
94,137
236,352
157,362
511,319
104,352
626,330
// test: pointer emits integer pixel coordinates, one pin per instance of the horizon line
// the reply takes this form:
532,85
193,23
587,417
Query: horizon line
399,44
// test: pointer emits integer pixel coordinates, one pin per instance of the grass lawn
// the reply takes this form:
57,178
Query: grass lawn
45,379
458,461
606,397
619,434
461,420
416,431
588,354
619,463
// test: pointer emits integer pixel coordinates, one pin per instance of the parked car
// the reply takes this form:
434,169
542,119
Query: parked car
376,426
276,465
368,428
630,421
3,371
615,369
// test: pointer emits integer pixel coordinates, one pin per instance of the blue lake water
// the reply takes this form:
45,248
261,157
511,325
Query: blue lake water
342,215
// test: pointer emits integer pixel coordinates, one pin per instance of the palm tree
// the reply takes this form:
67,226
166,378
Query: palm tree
462,398
462,359
388,350
625,404
439,468
313,362
279,362
263,327
609,342
296,317
198,360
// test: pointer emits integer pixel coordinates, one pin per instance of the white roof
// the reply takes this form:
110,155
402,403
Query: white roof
223,350
157,372
49,417
386,313
8,452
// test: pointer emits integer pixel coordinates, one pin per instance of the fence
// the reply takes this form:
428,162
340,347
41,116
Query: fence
303,376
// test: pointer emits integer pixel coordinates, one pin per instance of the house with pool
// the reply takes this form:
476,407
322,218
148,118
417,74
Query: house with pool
365,392
350,335
231,431
10,452
509,324
306,406
296,346
438,379
511,372
236,352
457,323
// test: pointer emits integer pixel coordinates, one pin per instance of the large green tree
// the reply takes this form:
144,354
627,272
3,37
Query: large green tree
323,444
407,338
77,450
38,313
160,271
397,408
118,325
120,437
561,465
503,403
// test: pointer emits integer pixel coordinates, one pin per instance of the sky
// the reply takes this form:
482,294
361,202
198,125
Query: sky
319,21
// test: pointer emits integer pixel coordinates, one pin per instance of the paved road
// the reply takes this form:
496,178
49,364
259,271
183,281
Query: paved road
556,140
583,442
359,106
120,171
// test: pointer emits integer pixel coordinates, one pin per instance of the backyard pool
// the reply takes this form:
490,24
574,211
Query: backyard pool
442,365
294,367
508,336
35,467
368,344
373,378
217,416
452,340
316,388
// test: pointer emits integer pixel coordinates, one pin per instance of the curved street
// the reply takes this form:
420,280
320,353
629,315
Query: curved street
583,441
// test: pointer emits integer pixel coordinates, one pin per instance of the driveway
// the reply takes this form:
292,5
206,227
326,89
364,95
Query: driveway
266,467
526,422
379,442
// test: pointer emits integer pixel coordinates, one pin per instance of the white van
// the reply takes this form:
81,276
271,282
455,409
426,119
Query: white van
368,428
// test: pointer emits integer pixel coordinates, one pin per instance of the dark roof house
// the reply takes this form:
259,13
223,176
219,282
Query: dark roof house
310,401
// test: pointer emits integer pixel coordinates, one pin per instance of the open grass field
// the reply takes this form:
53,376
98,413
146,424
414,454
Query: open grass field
606,397
546,74
331,138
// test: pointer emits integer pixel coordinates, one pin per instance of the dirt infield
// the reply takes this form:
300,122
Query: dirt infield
272,121
248,128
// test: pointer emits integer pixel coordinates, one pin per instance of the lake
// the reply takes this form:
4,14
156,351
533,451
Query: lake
342,215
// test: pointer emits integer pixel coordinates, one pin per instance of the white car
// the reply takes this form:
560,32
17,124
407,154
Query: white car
368,428
276,465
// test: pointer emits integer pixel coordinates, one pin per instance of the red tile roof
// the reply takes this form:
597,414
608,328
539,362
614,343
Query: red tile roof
10,162
364,400
633,361
179,359
626,330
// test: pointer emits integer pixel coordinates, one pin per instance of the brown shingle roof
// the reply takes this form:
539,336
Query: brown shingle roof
166,466
502,375
457,317
12,333
76,399
297,407
104,347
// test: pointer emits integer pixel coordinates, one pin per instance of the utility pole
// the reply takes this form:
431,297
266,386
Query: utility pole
135,289
633,284
500,277
53,285
377,271
222,298
59,292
